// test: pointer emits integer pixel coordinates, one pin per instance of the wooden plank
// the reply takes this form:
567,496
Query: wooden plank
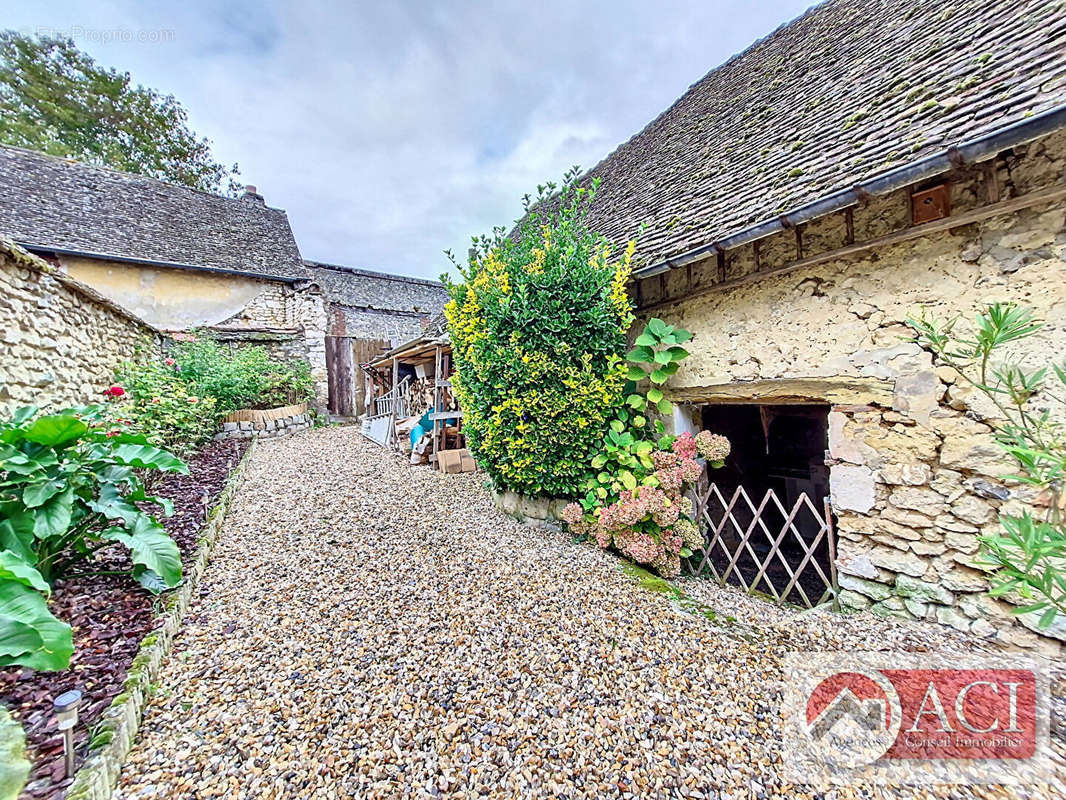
439,415
1048,195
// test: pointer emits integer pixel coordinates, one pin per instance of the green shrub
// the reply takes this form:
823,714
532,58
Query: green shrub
69,486
245,377
636,502
159,404
538,328
1029,556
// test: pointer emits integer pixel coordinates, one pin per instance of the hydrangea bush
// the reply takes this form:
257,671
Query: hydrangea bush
538,327
637,502
653,523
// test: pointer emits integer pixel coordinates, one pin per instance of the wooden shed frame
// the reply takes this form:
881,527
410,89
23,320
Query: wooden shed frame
380,422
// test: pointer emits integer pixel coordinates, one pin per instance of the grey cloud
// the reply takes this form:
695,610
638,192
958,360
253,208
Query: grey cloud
390,131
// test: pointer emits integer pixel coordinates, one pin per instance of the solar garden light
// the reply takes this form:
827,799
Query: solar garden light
66,708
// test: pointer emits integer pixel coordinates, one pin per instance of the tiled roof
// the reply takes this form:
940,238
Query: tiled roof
851,89
48,202
363,288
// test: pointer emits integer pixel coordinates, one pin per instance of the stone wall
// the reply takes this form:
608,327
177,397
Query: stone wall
539,512
372,323
915,473
265,428
60,340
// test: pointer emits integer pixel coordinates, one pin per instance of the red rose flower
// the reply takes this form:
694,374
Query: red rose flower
115,391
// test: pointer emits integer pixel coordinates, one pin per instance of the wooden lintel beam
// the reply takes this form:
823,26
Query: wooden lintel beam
1048,195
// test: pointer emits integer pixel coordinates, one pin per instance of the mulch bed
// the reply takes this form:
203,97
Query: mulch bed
110,615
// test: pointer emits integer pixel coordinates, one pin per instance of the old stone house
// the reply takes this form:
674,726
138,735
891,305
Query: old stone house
179,258
859,165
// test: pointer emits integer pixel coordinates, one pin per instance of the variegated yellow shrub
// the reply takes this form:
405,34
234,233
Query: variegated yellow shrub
538,327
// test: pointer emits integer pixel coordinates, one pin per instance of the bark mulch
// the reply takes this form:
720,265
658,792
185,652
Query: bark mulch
110,615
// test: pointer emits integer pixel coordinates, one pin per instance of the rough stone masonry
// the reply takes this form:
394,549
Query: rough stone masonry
916,476
60,341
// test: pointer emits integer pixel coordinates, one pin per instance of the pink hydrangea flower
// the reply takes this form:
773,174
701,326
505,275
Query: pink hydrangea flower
690,470
573,514
670,479
639,546
664,459
685,446
672,541
667,515
667,564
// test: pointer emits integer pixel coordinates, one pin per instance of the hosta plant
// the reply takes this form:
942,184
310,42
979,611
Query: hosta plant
70,485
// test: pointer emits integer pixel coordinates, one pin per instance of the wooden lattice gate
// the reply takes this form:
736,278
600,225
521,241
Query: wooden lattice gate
786,551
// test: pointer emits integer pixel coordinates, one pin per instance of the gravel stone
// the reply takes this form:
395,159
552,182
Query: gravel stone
369,629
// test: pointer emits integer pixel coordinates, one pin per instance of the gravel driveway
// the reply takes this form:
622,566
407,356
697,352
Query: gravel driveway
371,629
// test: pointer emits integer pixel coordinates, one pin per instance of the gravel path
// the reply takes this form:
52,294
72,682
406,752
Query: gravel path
370,629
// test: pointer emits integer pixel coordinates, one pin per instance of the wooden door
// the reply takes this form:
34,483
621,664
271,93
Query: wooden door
340,375
344,357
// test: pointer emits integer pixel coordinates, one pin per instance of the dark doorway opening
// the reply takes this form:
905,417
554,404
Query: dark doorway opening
775,533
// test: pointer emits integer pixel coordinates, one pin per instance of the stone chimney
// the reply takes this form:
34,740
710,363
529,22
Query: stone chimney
252,196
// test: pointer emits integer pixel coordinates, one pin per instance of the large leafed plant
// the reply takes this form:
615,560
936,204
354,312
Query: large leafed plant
70,485
538,327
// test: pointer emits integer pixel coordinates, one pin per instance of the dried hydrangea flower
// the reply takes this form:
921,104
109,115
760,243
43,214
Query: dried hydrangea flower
712,446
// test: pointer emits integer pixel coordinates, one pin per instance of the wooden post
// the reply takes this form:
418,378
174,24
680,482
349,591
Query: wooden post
827,507
438,395
390,437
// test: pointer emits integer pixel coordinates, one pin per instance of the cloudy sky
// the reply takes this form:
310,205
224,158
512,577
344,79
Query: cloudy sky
391,130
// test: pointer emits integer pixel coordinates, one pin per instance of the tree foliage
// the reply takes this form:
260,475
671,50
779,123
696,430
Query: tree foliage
58,100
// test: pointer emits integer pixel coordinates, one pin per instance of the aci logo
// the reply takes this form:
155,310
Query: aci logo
853,717
857,711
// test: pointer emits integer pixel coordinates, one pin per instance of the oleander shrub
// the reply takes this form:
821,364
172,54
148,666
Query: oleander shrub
1028,557
538,326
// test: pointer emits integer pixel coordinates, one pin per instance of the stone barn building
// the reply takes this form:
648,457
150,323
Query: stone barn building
862,163
178,258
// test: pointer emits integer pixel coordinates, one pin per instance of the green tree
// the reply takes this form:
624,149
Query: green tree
58,100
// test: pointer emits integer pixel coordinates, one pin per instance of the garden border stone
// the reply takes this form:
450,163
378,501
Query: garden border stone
117,729
539,512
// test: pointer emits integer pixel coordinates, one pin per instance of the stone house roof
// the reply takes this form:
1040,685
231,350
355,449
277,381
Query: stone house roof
848,91
380,291
56,204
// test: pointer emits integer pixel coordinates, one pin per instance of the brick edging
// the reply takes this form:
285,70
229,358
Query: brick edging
117,728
